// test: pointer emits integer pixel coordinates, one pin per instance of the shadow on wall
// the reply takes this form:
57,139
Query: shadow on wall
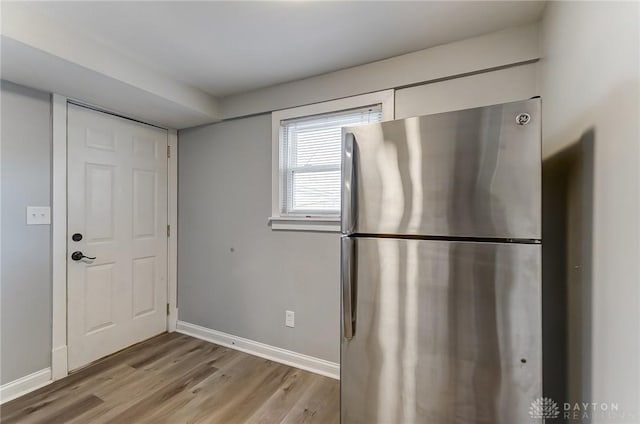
567,228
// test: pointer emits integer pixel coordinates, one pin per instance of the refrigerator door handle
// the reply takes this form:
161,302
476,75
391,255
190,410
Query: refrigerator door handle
349,203
348,268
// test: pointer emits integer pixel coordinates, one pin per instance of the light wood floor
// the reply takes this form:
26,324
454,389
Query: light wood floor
177,379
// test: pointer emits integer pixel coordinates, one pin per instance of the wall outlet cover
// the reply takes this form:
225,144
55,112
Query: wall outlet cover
38,215
290,319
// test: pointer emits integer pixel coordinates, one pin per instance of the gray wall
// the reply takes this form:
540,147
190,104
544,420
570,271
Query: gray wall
488,88
236,275
224,202
590,79
25,286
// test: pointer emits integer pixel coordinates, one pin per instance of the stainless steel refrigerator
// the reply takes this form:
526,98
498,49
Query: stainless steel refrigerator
441,268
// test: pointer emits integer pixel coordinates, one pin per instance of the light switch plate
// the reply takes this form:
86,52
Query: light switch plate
38,215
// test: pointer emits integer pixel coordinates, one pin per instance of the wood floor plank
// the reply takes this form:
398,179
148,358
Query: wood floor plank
77,380
136,412
182,408
42,409
320,404
177,379
142,382
242,380
282,400
251,397
72,410
205,396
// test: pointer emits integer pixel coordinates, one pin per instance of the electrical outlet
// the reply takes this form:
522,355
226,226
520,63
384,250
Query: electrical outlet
290,319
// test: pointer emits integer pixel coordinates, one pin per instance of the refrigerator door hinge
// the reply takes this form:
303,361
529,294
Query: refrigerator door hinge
168,230
168,151
168,308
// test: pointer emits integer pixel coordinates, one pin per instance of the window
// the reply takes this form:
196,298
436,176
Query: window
307,158
310,153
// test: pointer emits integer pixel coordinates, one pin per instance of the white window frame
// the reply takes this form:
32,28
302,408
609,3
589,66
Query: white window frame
384,98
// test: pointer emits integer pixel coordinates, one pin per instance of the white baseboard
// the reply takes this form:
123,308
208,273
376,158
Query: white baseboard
287,357
24,385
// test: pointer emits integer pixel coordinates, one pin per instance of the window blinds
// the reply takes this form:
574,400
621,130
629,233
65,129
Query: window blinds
310,155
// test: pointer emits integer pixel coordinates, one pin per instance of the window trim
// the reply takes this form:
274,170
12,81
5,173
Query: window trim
315,223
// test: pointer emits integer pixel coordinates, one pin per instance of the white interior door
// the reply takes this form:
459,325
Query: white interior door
117,202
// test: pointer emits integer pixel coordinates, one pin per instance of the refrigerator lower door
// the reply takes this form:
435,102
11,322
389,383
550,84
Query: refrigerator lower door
443,332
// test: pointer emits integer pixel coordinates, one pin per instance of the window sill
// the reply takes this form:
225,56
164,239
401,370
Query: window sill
290,223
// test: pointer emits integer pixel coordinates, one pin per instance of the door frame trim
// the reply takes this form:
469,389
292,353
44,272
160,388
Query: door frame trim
59,363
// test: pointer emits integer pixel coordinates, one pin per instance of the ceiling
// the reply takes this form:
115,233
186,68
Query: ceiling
226,48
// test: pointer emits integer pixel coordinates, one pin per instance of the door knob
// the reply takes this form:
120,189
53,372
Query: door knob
78,255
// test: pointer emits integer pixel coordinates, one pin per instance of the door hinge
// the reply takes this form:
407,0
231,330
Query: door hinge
168,308
168,151
168,230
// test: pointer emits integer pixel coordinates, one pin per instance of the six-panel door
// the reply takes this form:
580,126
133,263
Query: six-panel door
117,202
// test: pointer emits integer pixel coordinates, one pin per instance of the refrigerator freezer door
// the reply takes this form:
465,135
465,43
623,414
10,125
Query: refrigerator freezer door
444,332
472,173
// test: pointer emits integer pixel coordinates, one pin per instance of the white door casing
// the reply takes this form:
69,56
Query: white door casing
117,200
